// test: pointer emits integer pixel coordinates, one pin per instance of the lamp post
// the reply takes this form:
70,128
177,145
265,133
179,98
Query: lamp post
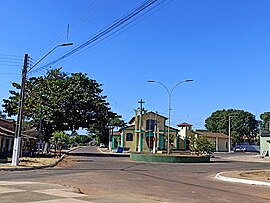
229,141
18,130
169,106
59,45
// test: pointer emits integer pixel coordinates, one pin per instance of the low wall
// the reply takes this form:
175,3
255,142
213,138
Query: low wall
169,158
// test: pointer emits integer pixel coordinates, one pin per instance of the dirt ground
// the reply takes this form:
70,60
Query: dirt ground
256,175
32,162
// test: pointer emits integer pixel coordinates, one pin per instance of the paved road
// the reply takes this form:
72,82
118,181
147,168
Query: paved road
117,179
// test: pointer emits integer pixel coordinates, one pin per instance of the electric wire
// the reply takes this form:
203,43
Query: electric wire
110,36
62,31
4,73
10,56
116,25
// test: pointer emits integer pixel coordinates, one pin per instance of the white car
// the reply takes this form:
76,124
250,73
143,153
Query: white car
102,145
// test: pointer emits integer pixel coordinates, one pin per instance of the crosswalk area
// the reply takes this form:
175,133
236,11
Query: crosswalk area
33,192
36,192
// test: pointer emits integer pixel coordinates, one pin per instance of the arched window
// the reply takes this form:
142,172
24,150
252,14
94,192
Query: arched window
129,137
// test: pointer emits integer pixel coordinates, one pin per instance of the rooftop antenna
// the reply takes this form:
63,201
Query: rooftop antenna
67,32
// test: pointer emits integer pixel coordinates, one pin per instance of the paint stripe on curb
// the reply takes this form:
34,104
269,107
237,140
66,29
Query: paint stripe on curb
239,180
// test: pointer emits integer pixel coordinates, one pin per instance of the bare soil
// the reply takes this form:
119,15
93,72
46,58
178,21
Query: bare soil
32,162
258,175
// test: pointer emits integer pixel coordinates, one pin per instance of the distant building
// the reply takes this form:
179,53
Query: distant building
264,142
7,134
7,128
144,133
185,132
148,132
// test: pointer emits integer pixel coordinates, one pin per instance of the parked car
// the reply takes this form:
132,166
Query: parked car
240,149
102,145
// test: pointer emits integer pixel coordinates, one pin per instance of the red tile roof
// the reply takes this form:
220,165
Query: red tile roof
210,134
184,125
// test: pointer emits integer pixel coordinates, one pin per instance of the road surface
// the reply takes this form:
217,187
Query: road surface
116,177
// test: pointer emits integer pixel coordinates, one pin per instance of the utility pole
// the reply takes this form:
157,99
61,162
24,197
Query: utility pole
110,135
229,143
18,129
40,132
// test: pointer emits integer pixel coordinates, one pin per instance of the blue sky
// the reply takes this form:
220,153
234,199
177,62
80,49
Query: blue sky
221,45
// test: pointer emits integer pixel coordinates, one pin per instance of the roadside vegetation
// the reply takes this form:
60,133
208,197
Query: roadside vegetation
242,124
59,102
202,146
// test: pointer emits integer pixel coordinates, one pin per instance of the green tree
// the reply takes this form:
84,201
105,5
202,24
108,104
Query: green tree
265,117
59,139
202,145
242,123
64,102
101,129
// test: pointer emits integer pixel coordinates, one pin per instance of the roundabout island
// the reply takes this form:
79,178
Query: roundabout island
171,158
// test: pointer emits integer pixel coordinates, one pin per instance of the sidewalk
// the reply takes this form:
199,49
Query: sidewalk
35,192
30,163
255,177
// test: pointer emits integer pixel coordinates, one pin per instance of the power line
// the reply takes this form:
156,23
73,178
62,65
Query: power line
9,55
62,31
5,64
3,73
113,28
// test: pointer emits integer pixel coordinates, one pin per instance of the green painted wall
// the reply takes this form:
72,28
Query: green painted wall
169,159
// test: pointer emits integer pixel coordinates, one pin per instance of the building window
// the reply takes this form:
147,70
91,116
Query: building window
150,124
129,137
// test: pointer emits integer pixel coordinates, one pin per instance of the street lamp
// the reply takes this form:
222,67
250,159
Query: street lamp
59,45
169,106
229,143
18,130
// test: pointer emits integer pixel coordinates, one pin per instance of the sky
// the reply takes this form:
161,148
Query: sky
221,45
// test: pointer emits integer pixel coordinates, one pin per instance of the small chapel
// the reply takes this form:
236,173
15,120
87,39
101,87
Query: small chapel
147,131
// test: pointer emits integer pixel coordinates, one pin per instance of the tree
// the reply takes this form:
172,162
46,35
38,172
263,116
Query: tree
242,123
59,139
265,117
64,102
101,129
202,145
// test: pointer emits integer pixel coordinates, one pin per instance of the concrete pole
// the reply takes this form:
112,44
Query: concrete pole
110,138
40,132
229,141
18,130
169,123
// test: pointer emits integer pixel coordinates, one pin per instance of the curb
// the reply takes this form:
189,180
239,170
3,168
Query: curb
112,154
239,180
38,167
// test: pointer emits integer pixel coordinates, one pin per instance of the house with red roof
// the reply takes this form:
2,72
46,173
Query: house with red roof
185,133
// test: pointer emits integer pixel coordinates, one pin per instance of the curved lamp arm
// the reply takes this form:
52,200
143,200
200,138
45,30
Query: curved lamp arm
153,81
179,84
60,45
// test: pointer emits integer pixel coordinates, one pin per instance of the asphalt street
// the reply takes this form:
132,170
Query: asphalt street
122,180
